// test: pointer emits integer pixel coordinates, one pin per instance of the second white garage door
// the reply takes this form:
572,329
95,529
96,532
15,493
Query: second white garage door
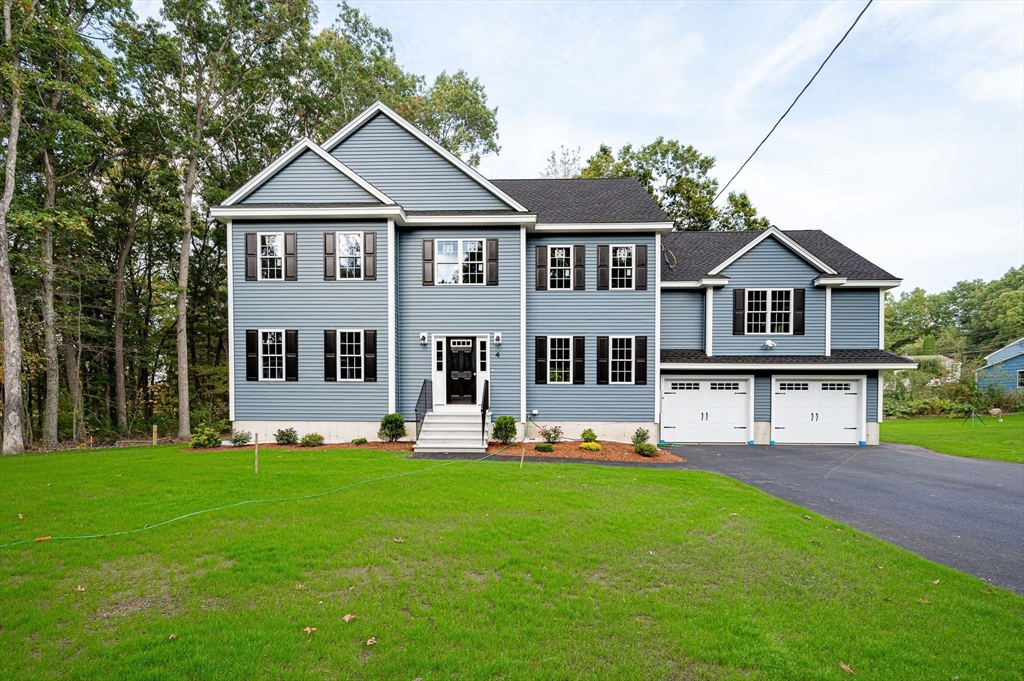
706,410
817,411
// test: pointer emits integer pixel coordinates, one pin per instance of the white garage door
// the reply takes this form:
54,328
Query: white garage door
705,410
816,411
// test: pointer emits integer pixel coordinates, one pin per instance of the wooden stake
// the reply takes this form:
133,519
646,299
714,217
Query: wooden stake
154,435
256,466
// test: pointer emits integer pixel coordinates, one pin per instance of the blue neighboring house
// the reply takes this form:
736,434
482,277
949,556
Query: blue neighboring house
378,273
1003,367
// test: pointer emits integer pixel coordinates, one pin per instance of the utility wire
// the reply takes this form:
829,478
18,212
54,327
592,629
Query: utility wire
722,191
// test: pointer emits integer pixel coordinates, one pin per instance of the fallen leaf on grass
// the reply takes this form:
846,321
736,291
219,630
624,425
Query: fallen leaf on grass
845,667
807,517
372,641
397,540
299,587
350,617
79,588
935,582
351,588
988,591
21,516
172,637
309,630
734,514
923,600
879,567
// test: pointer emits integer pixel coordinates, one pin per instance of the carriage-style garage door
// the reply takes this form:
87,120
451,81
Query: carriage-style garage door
818,411
705,409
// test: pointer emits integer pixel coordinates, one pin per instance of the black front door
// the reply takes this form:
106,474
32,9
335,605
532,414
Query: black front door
461,363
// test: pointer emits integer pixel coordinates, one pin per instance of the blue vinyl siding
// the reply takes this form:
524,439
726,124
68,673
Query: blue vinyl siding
872,396
409,172
590,313
1003,373
763,397
458,310
770,265
309,179
854,319
310,305
682,319
1010,350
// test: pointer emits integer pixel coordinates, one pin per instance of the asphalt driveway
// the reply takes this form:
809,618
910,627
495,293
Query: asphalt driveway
965,513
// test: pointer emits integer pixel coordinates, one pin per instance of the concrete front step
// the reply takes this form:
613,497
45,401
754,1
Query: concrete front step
455,433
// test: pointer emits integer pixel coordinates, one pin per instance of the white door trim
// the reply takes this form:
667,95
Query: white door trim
862,425
438,377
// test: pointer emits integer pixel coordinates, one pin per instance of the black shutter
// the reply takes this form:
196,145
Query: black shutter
428,262
252,355
250,257
579,365
492,262
602,360
579,267
602,269
540,361
291,355
640,360
640,272
291,260
330,355
739,311
798,311
370,256
541,267
370,356
330,262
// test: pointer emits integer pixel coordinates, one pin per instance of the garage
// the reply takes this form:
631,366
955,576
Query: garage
702,409
817,410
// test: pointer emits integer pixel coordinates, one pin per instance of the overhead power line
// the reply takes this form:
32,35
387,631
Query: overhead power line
722,190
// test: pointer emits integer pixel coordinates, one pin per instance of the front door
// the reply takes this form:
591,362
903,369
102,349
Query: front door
461,365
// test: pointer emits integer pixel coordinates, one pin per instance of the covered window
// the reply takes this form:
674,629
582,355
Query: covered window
622,359
271,355
271,256
769,310
622,267
350,255
460,261
560,267
559,359
350,355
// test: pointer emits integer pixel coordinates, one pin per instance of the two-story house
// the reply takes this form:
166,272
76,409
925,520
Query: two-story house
378,273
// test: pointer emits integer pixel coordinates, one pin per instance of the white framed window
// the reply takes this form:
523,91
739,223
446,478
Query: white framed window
770,311
622,267
271,246
459,261
685,385
272,355
559,359
350,255
1020,378
789,387
559,267
836,386
350,355
725,385
621,360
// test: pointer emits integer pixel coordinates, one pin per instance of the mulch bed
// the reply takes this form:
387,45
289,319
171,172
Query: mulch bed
610,451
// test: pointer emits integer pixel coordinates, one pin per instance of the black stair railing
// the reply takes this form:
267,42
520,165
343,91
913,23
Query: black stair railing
485,404
424,404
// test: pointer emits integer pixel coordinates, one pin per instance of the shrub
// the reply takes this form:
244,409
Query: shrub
505,429
392,427
646,449
551,434
359,441
590,446
240,438
312,440
589,435
544,447
640,437
204,437
287,436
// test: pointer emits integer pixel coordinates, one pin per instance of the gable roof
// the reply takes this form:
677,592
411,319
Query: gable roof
1006,352
599,200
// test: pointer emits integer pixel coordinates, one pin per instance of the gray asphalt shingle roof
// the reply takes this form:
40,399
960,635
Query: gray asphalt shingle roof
620,199
869,356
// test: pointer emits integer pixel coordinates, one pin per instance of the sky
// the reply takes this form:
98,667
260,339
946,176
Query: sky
908,147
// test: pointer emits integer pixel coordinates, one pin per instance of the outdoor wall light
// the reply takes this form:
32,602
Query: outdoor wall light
497,338
770,344
423,339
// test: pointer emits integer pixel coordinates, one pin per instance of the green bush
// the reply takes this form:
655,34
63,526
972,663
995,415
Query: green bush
544,447
286,436
240,438
359,441
640,437
551,434
392,427
590,446
312,440
203,438
505,429
646,449
589,435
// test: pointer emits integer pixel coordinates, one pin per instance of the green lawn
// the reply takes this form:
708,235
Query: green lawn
470,570
993,440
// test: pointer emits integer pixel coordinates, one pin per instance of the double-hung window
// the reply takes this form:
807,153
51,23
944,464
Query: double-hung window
559,359
560,267
271,255
350,355
622,267
769,311
1020,378
350,255
460,261
621,359
271,355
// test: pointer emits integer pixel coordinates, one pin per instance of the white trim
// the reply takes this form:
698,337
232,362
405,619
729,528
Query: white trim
571,358
881,319
785,241
231,323
259,255
440,378
522,324
460,242
723,366
632,362
378,107
709,321
828,321
476,220
572,263
632,267
337,356
337,256
862,428
243,212
392,335
1019,373
703,282
1003,348
259,356
768,313
872,283
749,378
658,227
657,322
822,280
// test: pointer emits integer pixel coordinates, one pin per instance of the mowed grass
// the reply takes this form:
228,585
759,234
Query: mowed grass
992,440
470,570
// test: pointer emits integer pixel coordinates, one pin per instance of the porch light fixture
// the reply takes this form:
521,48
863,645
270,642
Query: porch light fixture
423,339
770,344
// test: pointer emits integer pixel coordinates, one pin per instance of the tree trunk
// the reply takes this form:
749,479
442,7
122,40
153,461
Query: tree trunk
119,370
49,316
74,381
184,426
13,440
